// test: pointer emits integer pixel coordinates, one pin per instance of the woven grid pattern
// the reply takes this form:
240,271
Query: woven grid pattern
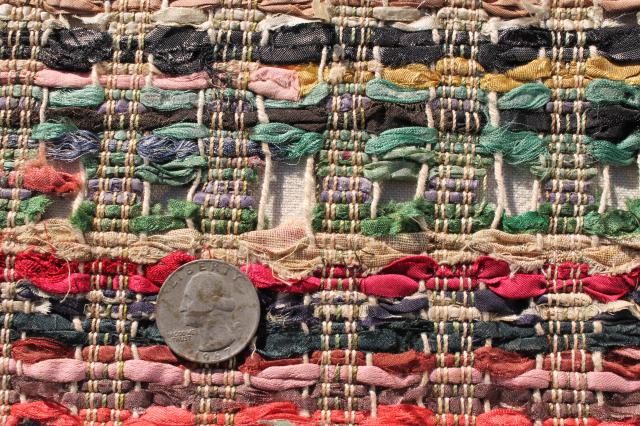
411,281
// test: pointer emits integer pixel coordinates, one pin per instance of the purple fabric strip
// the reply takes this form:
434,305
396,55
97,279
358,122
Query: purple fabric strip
346,102
18,103
341,183
116,184
572,197
122,107
453,104
8,193
453,197
566,107
344,196
227,106
566,185
223,200
235,187
122,198
453,184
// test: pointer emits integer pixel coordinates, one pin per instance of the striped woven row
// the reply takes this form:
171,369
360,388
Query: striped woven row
450,308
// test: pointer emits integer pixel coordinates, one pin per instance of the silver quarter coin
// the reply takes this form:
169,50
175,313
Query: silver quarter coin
207,311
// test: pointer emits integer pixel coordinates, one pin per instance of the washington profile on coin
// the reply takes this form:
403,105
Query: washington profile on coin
207,311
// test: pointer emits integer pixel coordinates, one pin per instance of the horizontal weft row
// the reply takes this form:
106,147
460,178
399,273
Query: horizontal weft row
170,111
556,329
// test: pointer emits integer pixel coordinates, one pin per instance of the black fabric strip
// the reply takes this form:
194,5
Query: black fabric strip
612,122
75,50
179,50
92,120
378,117
401,56
183,50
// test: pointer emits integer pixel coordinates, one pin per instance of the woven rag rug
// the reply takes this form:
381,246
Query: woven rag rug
414,285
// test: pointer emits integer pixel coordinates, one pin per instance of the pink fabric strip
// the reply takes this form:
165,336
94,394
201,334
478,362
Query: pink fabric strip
275,83
620,5
62,370
53,78
597,381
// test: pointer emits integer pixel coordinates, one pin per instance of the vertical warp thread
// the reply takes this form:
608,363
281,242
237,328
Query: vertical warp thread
339,400
107,195
453,143
19,22
268,166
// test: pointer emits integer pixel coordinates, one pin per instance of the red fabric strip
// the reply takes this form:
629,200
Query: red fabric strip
398,279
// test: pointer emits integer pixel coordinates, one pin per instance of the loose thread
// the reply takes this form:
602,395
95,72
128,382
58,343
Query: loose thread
201,151
421,185
502,192
192,190
494,113
43,104
309,198
606,189
535,195
375,196
638,163
260,107
266,183
263,118
146,199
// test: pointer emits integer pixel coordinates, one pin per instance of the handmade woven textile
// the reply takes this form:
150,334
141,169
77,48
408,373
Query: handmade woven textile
459,247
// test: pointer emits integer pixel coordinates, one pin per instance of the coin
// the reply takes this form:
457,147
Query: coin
207,311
